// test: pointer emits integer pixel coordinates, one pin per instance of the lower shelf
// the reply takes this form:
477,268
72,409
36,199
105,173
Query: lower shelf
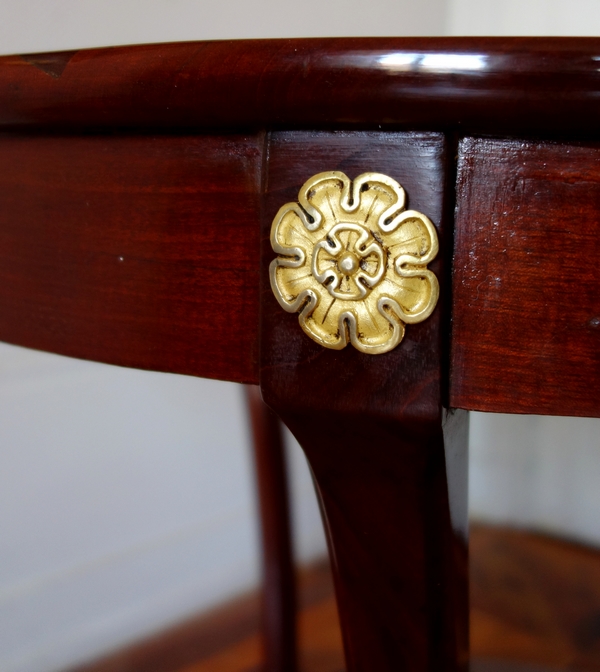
535,607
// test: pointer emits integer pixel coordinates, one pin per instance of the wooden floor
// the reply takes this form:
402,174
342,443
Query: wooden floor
535,605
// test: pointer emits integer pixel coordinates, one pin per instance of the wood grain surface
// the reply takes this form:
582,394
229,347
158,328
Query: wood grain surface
487,85
534,599
374,431
141,251
526,283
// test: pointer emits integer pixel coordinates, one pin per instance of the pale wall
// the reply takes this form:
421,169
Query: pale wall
524,17
38,25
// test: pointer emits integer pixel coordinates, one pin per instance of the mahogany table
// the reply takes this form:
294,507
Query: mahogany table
137,190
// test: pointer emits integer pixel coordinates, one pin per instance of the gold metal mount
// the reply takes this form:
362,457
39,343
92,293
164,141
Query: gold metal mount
353,261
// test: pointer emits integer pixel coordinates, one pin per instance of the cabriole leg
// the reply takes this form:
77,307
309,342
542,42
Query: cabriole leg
389,461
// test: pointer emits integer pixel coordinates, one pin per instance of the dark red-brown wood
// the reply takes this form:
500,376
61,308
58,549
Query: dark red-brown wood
279,590
526,318
134,250
375,433
478,84
142,250
183,199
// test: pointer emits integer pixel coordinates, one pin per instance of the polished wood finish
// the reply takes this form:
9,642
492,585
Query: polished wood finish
130,235
374,430
526,317
534,599
140,251
473,84
174,205
279,591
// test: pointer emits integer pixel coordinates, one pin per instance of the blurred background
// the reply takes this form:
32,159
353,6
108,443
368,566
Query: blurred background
126,497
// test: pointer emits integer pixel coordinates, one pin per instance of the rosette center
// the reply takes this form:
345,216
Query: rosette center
348,263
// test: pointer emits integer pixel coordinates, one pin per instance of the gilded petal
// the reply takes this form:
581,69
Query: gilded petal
322,323
292,282
377,330
290,233
378,199
322,198
412,239
416,295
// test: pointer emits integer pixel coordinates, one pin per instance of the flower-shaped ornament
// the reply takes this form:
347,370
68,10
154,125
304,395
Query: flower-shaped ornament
353,261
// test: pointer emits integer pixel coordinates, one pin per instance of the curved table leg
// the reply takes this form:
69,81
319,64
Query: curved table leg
397,546
279,597
389,462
